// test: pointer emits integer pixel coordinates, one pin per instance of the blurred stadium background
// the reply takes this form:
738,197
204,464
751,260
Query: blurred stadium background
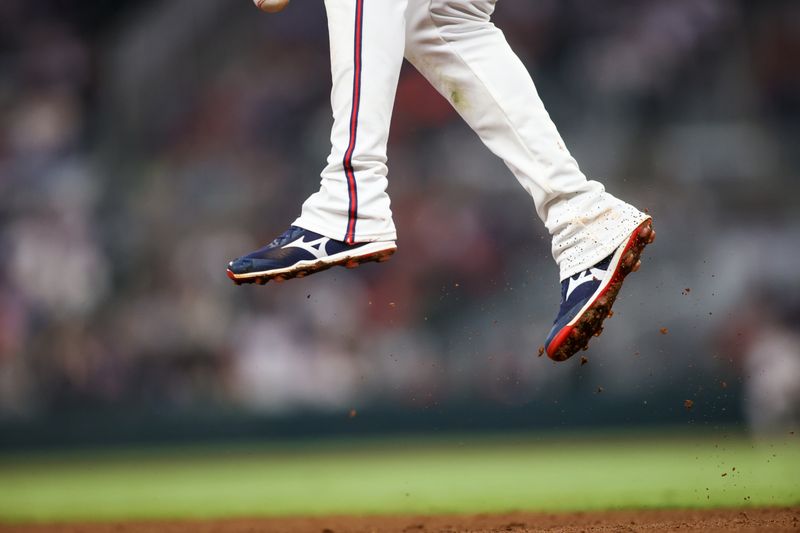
143,144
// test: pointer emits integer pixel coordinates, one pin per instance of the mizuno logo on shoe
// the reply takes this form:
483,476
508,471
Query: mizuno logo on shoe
315,248
592,274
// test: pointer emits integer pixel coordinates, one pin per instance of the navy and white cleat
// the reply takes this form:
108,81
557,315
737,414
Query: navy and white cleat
587,297
299,252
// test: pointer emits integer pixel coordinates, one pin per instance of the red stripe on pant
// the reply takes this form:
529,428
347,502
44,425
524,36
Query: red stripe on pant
352,211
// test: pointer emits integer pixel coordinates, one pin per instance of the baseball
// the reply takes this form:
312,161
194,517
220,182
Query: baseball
271,6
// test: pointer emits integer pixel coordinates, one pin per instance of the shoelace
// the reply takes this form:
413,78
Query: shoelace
285,237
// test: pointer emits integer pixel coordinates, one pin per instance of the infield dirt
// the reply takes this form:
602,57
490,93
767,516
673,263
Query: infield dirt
736,520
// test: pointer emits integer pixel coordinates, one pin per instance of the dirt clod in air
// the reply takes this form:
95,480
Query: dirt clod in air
663,331
352,414
599,390
688,404
584,360
541,351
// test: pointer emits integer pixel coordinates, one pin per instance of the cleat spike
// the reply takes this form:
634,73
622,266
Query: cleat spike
628,261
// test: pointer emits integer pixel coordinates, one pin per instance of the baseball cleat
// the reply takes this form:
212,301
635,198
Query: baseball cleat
299,252
587,297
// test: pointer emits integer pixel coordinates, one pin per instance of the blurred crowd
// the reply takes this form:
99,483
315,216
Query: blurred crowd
143,147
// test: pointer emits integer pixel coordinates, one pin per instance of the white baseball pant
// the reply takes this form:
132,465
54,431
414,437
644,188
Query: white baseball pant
454,44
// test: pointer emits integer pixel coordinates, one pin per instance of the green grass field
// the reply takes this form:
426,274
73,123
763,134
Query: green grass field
471,475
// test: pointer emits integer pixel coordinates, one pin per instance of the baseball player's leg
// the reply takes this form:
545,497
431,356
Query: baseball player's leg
467,59
367,43
348,221
597,238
